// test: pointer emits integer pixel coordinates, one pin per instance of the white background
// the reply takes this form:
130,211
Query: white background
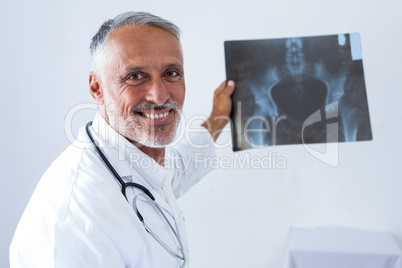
235,217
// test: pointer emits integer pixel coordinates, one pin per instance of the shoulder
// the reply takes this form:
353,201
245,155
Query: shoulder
76,186
53,191
76,201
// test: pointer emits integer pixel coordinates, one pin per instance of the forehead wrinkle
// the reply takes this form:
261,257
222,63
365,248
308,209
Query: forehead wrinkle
125,53
119,38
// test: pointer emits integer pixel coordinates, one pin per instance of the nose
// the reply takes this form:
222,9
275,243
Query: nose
157,93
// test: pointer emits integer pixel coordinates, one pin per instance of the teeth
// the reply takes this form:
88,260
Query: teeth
156,116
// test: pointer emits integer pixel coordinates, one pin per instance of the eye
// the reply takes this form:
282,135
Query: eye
135,79
135,76
171,73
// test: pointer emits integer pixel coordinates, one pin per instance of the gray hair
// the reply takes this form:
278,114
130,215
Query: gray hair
99,41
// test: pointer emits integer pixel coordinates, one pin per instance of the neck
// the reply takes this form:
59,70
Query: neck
157,154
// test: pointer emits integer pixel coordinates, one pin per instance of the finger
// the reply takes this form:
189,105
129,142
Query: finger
226,87
230,87
221,88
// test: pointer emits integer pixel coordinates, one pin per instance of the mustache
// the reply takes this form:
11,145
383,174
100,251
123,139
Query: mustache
152,106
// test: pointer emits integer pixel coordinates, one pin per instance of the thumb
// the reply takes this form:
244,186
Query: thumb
227,88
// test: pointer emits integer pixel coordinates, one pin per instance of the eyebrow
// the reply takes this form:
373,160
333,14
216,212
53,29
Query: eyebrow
134,68
173,65
143,68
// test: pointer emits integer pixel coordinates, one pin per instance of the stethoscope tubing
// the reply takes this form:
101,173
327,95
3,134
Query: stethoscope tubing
148,194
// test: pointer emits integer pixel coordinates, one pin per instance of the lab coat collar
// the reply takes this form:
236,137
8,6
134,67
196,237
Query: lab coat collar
125,157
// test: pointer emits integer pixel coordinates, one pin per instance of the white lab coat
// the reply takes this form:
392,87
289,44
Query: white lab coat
77,216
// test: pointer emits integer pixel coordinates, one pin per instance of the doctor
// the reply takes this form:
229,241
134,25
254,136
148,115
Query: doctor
78,215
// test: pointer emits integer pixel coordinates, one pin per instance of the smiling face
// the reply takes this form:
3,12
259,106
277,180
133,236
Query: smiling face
141,91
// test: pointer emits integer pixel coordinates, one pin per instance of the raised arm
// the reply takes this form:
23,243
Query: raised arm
222,107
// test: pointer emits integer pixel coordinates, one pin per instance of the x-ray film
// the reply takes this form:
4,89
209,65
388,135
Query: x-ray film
297,90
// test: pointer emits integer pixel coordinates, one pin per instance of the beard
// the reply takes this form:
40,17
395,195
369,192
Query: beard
129,124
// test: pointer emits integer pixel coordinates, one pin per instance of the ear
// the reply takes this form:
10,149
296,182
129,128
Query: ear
95,88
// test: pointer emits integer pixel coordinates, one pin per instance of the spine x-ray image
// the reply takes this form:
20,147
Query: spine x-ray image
297,90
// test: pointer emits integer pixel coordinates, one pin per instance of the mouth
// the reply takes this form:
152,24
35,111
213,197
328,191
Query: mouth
156,117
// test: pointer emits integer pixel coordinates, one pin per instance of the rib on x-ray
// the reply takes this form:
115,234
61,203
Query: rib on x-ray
289,91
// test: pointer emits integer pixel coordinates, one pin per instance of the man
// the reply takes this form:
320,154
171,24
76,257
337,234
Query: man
78,216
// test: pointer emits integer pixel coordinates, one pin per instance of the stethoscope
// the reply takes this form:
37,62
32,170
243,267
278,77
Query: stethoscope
147,195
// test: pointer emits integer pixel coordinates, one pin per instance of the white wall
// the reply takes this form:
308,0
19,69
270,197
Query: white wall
236,217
